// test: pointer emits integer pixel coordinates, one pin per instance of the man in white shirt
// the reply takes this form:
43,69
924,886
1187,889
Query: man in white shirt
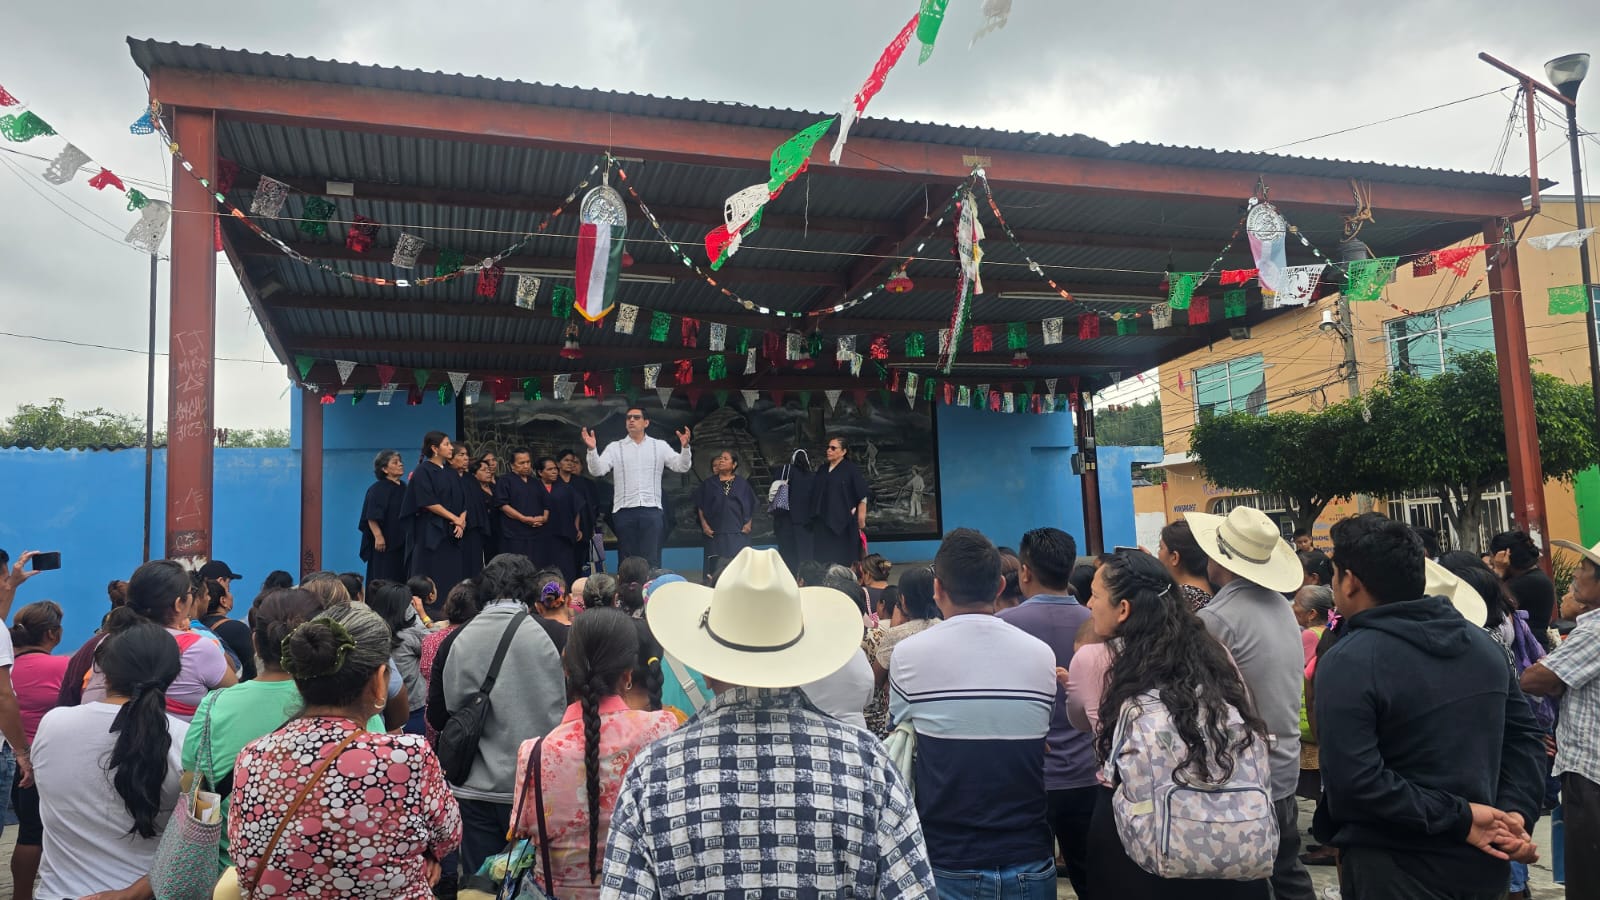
635,465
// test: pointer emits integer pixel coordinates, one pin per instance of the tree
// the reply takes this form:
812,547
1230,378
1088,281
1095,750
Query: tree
1445,434
52,427
251,437
1303,456
1138,425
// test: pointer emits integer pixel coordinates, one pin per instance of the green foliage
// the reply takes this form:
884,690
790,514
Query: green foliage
1138,425
252,437
1305,456
52,426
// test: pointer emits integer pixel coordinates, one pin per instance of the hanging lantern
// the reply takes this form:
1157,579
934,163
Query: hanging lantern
569,345
1020,359
899,282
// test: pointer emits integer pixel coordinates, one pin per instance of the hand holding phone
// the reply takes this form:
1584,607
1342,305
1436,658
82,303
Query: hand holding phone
45,562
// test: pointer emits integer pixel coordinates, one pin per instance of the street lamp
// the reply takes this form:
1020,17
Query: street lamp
1566,73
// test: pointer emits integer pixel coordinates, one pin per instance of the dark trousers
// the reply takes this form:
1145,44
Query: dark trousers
639,533
1372,873
483,832
1290,880
1580,810
1071,810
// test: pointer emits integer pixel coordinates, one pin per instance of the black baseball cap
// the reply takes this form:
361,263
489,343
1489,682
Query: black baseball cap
217,569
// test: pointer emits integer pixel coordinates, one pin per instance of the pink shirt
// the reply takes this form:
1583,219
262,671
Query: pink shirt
36,678
623,733
1087,685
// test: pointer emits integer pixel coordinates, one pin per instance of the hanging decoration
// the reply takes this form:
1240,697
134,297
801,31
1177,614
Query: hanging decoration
652,373
995,15
1366,278
1299,285
969,237
857,107
879,348
1236,276
899,282
569,341
1181,287
447,395
929,18
136,200
690,332
385,373
1016,336
361,233
793,346
627,318
66,165
530,389
1126,323
303,364
717,337
1161,316
1200,311
142,125
315,214
449,262
963,396
147,233
489,280
1233,303
750,398
982,339
457,379
833,396
473,391
1088,326
683,372
604,218
844,348
1268,232
528,293
1426,264
911,387
1564,239
107,179
716,367
916,345
660,324
561,387
750,361
420,376
742,211
1458,259
22,127
345,367
1052,329
406,251
7,100
386,393
1568,300
270,195
500,388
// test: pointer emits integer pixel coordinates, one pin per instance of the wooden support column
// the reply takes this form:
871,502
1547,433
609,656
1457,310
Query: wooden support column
191,367
310,483
1094,540
1516,386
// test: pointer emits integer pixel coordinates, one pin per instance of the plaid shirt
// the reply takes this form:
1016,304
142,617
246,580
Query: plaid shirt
1577,663
762,795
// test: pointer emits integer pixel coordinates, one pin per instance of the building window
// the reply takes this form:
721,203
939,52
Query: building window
1238,385
1422,509
1423,344
1276,506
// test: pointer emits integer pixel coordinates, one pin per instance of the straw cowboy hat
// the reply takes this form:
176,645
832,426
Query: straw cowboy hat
1249,545
1464,597
1591,554
756,628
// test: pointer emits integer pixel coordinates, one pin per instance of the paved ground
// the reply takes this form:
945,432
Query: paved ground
1323,876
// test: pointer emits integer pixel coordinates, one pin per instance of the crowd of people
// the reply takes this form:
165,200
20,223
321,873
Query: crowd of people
1137,723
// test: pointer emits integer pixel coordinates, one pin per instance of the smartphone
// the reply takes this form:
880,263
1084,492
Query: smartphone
44,562
1126,550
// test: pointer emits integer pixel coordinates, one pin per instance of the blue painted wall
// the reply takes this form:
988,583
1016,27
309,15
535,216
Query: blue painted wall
1000,474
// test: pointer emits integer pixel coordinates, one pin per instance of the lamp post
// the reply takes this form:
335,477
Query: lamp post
1566,73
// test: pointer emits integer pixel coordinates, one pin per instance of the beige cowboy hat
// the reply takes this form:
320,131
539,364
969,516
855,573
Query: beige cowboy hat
1592,554
1248,544
1464,597
756,628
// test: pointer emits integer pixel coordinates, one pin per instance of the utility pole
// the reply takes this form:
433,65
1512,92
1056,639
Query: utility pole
1567,73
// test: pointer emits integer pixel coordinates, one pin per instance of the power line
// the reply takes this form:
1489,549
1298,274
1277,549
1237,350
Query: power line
93,346
1408,115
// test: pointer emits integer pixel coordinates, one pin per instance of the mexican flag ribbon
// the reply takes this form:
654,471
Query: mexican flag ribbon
599,266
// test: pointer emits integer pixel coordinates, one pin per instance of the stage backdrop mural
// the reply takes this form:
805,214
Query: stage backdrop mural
893,445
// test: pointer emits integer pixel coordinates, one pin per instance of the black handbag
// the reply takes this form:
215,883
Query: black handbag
457,746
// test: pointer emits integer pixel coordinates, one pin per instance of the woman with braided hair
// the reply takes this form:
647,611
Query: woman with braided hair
324,807
107,771
582,761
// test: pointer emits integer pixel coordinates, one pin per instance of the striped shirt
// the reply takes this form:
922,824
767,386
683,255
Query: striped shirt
635,469
980,693
1577,663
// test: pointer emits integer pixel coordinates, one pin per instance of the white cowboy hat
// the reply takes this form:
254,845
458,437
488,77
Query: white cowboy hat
756,628
1249,545
1464,597
1591,554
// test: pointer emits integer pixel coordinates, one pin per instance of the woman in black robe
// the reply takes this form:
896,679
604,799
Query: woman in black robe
553,540
437,508
478,542
519,505
792,526
727,506
383,531
570,465
840,495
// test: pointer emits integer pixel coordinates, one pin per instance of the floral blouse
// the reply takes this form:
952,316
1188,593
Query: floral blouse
623,733
367,830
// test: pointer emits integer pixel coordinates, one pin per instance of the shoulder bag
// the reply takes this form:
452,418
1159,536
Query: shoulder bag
778,493
188,860
513,874
457,746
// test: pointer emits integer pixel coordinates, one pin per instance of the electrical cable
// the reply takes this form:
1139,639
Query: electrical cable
1418,112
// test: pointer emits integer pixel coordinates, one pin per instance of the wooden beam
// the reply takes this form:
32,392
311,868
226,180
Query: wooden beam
343,107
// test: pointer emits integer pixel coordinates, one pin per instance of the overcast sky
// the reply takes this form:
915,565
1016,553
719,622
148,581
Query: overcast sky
1223,75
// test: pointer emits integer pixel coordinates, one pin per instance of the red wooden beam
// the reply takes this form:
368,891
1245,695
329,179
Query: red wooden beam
310,483
1516,387
365,109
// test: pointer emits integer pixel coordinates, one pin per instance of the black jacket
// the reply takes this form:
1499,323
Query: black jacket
1418,713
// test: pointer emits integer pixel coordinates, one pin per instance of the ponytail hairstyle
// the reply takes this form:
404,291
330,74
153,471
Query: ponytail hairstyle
431,442
647,671
461,605
602,647
333,656
1524,552
875,567
552,589
215,591
599,590
140,663
632,573
1162,646
158,590
274,616
32,625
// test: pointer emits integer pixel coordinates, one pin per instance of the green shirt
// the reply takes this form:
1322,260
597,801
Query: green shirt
237,716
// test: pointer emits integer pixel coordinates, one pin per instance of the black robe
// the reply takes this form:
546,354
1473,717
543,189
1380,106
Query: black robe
435,550
588,518
382,505
511,491
475,541
552,542
727,513
835,496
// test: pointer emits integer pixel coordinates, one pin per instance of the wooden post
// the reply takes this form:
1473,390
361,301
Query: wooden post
1516,386
310,483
